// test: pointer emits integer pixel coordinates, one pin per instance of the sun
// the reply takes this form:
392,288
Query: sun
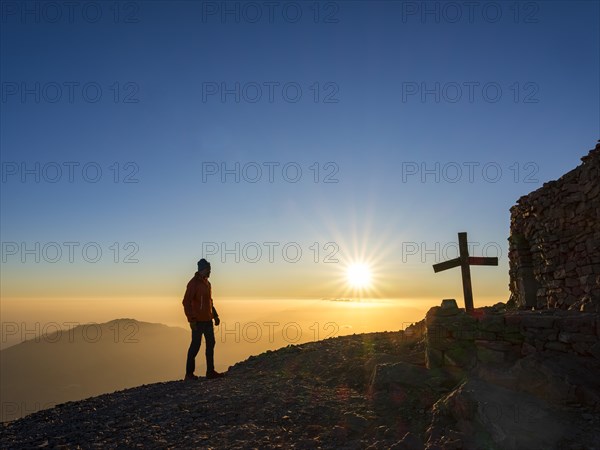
359,276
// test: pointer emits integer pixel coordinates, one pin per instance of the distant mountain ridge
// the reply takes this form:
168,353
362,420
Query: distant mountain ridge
88,360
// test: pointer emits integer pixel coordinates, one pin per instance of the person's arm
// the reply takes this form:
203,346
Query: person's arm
216,316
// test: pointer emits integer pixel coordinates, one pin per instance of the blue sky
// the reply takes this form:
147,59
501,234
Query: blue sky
367,63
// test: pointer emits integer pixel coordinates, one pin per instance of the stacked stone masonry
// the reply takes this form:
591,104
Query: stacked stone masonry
554,244
490,336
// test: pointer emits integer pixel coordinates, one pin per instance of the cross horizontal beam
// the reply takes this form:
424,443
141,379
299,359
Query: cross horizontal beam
465,261
483,261
446,265
473,260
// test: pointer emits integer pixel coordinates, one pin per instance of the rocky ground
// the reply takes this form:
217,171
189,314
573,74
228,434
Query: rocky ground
360,391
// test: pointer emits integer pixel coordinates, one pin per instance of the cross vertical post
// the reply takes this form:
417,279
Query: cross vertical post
463,249
465,261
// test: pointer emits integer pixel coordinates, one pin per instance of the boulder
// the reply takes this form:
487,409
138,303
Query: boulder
400,373
481,415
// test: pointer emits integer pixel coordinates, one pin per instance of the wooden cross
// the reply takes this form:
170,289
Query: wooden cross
465,261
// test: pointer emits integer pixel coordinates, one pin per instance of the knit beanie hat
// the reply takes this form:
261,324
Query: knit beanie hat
203,264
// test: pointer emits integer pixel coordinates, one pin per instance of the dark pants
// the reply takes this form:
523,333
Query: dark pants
199,329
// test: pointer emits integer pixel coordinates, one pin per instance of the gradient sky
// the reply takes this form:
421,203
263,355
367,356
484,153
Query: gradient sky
367,59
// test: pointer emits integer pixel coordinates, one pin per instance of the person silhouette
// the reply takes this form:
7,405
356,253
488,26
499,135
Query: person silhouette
200,312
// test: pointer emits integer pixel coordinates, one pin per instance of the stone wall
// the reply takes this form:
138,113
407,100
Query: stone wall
494,336
554,244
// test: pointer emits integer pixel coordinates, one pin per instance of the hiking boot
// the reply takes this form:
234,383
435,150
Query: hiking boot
213,374
190,376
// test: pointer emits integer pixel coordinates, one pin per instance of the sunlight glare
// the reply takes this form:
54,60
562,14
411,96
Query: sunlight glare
359,275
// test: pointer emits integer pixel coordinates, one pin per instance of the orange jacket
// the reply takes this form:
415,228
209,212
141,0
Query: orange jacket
197,301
